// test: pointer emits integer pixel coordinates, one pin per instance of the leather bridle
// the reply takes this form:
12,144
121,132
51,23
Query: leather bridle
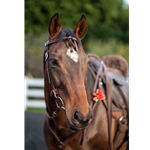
72,44
54,90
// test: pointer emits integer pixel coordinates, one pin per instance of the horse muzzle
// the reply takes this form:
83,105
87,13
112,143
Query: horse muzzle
79,121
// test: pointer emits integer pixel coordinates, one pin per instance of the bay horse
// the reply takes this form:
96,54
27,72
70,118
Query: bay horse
86,103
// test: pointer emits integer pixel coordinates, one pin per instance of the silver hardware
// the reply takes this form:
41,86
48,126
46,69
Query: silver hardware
46,43
100,83
62,103
46,56
121,120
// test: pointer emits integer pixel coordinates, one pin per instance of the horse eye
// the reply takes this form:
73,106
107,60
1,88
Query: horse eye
54,63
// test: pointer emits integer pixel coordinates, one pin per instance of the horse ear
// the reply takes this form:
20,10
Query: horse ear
54,26
81,28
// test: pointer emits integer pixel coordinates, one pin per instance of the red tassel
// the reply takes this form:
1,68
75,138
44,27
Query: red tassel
98,95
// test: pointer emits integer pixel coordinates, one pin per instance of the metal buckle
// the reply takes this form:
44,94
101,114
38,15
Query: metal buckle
62,103
46,43
123,121
56,100
46,56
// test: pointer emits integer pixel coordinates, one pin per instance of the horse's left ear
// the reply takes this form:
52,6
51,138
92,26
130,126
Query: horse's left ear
81,28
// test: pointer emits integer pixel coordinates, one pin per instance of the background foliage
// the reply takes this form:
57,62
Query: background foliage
108,27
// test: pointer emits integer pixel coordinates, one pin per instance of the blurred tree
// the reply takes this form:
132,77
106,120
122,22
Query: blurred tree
106,18
108,27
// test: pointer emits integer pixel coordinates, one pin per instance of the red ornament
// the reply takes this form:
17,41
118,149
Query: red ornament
98,95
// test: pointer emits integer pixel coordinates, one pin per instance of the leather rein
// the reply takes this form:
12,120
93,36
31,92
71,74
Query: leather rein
72,43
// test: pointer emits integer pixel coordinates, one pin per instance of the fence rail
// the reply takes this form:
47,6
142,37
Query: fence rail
34,93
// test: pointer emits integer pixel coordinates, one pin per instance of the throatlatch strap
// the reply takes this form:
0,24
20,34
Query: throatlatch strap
109,107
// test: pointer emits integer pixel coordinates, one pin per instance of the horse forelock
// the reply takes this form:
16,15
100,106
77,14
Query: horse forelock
68,32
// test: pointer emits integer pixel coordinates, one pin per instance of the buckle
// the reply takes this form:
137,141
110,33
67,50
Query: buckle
60,103
46,56
123,120
46,43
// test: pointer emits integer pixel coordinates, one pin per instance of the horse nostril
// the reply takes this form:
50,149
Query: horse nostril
77,116
80,119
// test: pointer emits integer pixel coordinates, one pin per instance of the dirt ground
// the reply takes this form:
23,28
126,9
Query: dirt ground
34,138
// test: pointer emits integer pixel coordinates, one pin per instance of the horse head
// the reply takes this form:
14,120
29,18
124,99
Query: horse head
65,67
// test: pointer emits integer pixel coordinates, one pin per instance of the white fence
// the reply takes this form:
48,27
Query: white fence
34,93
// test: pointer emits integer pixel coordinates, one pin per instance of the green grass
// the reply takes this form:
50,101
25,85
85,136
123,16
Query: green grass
101,48
36,110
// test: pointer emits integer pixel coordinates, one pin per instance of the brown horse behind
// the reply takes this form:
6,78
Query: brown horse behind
86,103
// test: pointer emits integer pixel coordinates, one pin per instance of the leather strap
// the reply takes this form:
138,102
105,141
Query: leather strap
123,127
120,135
109,107
68,139
108,97
108,104
98,76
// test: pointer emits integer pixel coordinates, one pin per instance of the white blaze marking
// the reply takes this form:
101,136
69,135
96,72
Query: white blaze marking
72,54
